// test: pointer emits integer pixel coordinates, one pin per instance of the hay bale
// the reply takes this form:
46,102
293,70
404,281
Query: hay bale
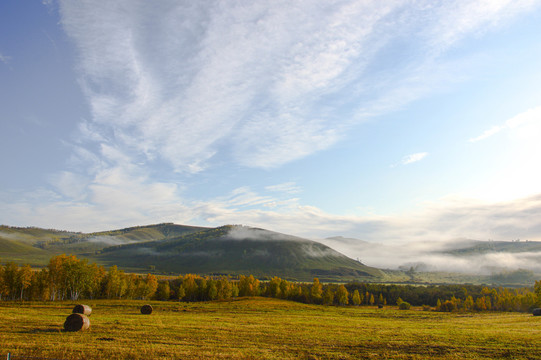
146,309
76,322
82,309
536,312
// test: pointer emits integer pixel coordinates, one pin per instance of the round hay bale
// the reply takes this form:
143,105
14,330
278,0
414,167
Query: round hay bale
77,322
536,312
146,309
82,309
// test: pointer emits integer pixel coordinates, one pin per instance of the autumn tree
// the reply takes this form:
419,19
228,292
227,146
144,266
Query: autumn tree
225,290
248,286
356,298
469,303
316,291
181,292
342,295
152,286
24,279
40,289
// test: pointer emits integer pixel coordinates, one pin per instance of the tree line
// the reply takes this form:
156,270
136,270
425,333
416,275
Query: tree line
68,278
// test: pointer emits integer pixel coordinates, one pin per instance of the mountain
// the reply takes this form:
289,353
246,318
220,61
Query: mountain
36,246
171,248
240,250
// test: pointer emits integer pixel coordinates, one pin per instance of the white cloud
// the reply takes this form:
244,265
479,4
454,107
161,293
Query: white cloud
409,159
287,187
517,174
449,218
527,117
488,133
261,83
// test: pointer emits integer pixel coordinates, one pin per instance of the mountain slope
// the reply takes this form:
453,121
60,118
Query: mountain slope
240,250
36,246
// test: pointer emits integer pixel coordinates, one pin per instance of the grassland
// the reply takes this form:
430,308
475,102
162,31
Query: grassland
260,328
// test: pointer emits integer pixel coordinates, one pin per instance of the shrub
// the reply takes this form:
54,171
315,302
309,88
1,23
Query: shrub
404,305
447,306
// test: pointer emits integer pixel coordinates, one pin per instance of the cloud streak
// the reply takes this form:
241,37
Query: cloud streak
413,158
262,84
527,117
186,85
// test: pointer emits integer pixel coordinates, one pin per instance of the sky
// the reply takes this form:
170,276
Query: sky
386,121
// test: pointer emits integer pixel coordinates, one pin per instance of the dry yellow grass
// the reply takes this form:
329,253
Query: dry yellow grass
261,328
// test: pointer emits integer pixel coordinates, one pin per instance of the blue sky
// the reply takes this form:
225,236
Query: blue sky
385,121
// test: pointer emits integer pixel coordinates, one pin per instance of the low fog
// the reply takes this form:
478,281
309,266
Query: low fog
239,232
432,256
109,240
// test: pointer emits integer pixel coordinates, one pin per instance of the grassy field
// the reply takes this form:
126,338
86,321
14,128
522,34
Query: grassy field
260,328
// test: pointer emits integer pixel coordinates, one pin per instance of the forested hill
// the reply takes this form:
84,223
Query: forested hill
240,250
170,248
35,246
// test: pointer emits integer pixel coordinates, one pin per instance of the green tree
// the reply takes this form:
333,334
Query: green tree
164,290
224,288
3,288
11,280
273,287
248,286
328,296
212,290
284,289
234,290
190,287
404,305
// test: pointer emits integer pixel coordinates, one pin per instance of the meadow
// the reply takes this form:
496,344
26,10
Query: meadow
264,328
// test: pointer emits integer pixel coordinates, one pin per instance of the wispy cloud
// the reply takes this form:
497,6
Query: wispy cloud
410,159
260,84
5,59
414,158
264,83
528,116
287,187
